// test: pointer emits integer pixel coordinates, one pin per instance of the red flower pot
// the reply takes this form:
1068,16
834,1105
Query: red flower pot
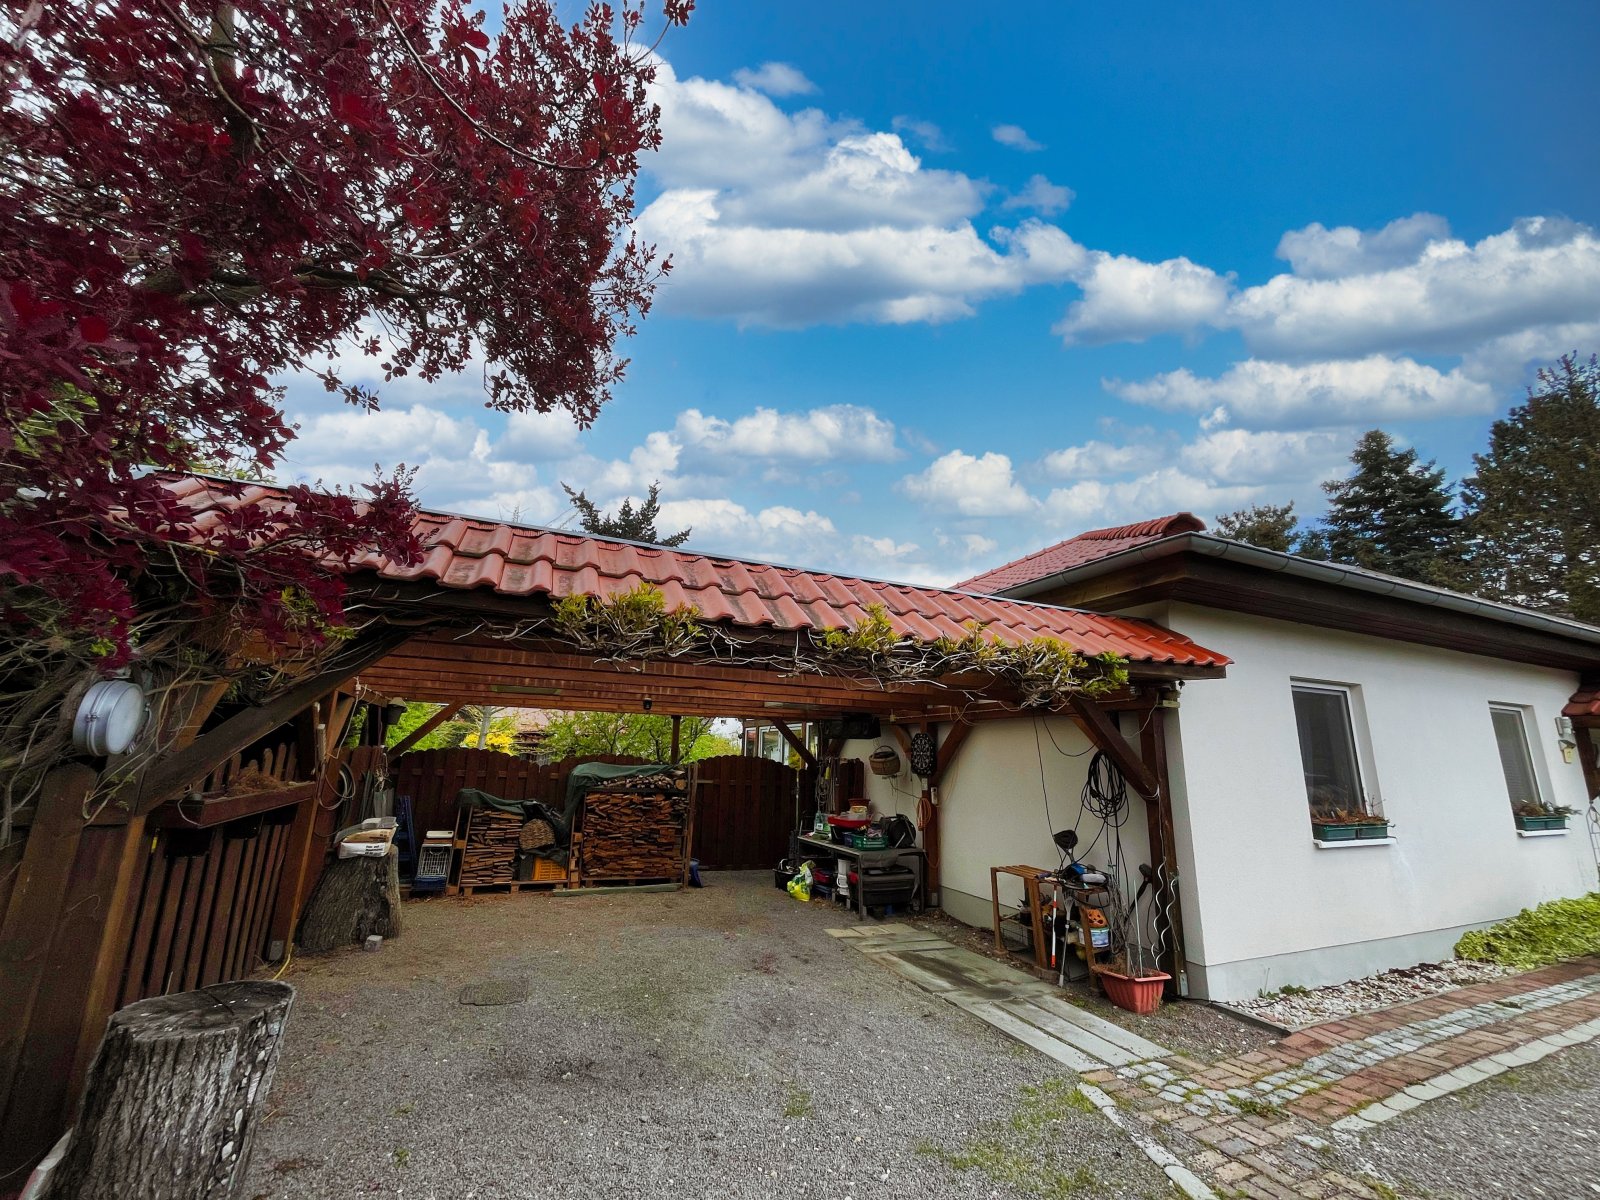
1139,994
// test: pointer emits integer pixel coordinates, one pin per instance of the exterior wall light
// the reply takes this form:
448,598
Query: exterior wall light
110,716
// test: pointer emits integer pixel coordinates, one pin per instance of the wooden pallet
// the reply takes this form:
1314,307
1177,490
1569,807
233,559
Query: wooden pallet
521,885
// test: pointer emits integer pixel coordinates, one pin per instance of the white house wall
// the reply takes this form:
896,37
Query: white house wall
996,811
1267,906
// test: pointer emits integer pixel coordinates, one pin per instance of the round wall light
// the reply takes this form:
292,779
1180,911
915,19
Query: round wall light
109,717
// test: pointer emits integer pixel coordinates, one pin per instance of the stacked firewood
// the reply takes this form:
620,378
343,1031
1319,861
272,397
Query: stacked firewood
492,840
673,779
633,835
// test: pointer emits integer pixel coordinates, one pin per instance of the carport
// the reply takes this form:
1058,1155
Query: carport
506,614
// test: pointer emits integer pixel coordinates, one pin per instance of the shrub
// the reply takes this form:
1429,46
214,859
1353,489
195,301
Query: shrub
1555,930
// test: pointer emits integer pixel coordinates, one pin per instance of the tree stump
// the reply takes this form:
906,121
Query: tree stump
355,897
174,1097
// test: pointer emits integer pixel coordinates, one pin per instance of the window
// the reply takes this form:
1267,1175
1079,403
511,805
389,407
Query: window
1328,750
1516,757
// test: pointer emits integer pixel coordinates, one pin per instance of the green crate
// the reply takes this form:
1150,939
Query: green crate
1531,824
1348,833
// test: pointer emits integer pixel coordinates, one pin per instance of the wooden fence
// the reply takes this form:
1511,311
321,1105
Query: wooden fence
746,805
205,904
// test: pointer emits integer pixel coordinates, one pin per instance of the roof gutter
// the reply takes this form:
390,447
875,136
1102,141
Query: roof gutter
1318,572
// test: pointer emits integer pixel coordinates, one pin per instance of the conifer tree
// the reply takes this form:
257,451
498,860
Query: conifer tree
1394,514
1533,507
634,524
1269,526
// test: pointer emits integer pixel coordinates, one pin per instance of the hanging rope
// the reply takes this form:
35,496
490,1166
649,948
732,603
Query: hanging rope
1105,791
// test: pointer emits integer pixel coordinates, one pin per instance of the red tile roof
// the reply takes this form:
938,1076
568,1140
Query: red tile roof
1585,702
1075,551
521,560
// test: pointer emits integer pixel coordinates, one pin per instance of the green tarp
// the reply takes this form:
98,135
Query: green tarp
580,783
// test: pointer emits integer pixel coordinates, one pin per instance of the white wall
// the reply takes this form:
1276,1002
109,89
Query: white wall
1267,907
995,810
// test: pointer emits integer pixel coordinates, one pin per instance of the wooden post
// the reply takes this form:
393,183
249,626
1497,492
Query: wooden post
1166,896
175,1096
677,730
1589,756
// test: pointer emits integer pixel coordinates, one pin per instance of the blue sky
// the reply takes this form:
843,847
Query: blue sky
955,281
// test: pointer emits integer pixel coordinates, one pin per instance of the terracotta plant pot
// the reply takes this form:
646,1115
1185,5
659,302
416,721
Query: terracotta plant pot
1139,994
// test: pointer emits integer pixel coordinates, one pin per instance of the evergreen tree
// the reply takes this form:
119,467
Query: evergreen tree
634,524
1269,526
1394,514
1533,508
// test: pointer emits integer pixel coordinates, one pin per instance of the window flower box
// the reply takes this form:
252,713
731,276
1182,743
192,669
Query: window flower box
1532,824
1350,831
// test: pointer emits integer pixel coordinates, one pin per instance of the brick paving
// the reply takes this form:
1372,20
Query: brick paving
1257,1125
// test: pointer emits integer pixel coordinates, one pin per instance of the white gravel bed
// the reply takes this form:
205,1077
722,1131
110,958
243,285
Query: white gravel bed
712,1043
1298,1009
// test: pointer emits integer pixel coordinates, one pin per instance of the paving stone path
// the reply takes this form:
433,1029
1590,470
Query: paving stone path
1261,1125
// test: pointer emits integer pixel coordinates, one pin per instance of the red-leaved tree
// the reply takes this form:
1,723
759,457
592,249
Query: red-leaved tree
196,198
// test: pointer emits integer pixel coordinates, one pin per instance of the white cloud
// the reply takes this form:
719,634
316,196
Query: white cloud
1016,137
1095,502
389,436
725,526
1097,459
796,276
831,433
1239,456
538,437
1542,271
1043,197
1317,252
1321,393
863,181
974,486
925,133
776,79
1128,299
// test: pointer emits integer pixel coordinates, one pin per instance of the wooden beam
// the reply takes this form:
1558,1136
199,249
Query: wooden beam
1102,731
168,776
1589,756
795,743
949,748
677,731
427,727
27,934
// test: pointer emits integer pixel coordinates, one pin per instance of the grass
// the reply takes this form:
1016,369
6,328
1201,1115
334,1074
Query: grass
797,1102
1015,1153
1257,1108
1536,937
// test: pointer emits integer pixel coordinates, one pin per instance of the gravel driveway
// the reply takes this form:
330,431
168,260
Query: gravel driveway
1534,1131
700,1043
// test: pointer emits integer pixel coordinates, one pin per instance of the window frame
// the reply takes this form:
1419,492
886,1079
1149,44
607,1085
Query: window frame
1355,714
1526,723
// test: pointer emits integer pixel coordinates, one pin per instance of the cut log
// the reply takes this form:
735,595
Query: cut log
355,897
174,1097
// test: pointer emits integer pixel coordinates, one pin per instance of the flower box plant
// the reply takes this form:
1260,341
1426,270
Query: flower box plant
1537,818
1348,825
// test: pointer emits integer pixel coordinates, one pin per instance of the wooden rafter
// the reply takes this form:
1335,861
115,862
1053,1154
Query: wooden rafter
427,727
1105,735
795,744
168,776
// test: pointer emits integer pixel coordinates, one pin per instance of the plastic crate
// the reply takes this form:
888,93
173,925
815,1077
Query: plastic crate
545,871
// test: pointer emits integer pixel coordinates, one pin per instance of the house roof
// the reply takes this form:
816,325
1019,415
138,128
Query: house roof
1585,702
471,553
1076,551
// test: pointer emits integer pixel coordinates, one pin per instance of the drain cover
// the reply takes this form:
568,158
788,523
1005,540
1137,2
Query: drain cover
497,991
